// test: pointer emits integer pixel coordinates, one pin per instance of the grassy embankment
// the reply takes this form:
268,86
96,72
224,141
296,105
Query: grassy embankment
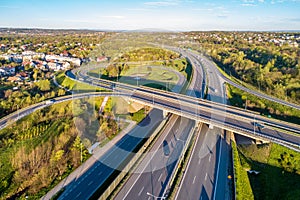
76,86
279,168
238,98
243,187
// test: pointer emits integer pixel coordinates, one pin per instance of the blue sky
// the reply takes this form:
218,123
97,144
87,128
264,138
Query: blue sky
178,15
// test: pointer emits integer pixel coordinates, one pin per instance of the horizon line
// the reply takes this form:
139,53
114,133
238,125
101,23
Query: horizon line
146,30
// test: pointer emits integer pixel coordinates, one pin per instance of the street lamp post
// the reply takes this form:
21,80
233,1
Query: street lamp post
254,125
153,98
18,111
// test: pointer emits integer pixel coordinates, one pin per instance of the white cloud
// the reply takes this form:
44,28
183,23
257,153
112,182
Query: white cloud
251,2
248,4
203,9
222,16
139,9
88,21
162,3
114,16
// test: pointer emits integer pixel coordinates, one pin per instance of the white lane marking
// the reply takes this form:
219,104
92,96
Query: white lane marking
188,165
206,176
149,198
78,195
141,191
160,177
152,156
99,173
209,158
194,179
216,183
154,168
90,183
199,161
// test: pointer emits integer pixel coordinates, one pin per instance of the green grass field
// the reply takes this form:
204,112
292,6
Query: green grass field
149,75
158,76
279,169
74,85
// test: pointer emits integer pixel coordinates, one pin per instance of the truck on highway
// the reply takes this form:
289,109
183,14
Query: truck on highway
50,101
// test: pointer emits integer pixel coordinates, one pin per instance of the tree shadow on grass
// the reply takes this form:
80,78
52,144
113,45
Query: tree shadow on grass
273,182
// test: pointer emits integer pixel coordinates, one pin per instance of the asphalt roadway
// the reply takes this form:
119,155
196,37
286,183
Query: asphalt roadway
200,179
153,173
98,177
204,178
212,65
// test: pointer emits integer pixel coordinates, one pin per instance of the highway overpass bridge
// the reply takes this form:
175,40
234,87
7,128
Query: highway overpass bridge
229,118
225,117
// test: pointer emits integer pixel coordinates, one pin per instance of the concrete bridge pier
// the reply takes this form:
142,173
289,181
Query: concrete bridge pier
165,113
250,139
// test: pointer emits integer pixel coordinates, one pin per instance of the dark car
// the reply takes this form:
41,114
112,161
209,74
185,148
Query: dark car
166,148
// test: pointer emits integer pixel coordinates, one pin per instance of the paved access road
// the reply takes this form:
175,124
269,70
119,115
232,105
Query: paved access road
153,173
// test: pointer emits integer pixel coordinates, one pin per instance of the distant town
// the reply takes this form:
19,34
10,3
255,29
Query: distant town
24,52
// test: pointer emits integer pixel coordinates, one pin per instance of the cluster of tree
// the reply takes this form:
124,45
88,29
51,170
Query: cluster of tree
243,99
46,146
75,43
122,63
255,59
289,163
148,54
41,149
41,90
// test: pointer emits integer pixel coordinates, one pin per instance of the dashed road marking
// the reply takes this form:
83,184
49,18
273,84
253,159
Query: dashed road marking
78,195
160,177
141,191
